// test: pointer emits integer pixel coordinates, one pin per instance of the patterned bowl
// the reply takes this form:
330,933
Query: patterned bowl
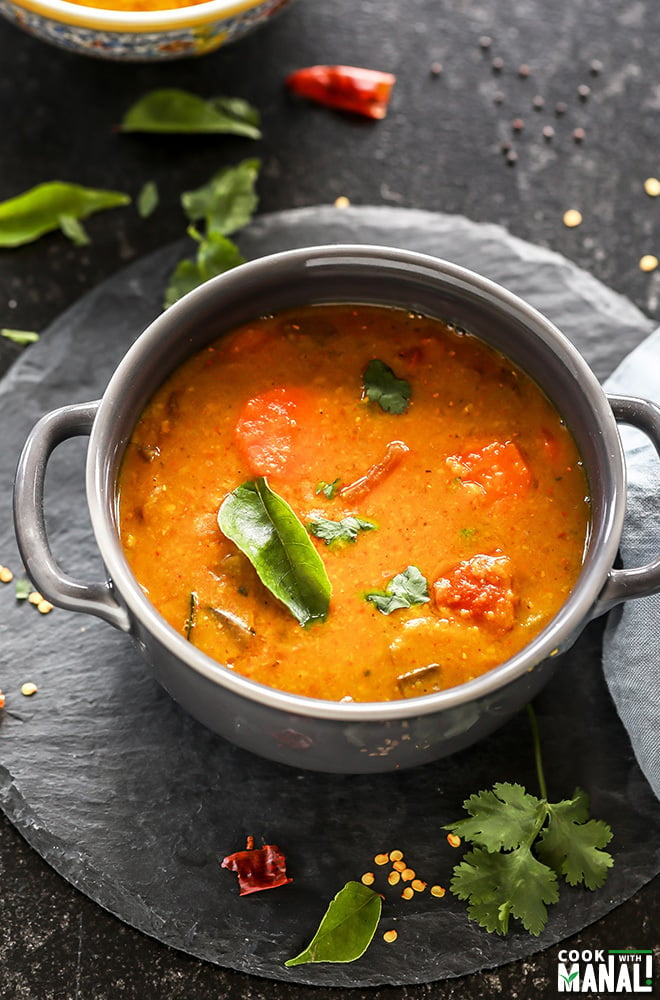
140,36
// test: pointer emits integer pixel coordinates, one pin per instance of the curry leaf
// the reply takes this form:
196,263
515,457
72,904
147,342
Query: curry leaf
174,111
41,209
74,230
345,530
265,528
147,200
20,336
382,386
226,202
347,928
403,591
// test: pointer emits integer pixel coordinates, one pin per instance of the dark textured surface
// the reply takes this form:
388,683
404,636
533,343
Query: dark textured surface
438,149
126,796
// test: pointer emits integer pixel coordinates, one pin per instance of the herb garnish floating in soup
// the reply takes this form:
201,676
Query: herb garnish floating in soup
354,502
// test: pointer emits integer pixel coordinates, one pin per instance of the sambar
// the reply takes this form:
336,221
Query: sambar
438,485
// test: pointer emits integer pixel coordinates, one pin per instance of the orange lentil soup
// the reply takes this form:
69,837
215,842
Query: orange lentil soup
436,482
134,6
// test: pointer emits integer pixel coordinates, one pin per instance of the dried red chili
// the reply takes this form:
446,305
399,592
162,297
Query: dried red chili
257,868
349,88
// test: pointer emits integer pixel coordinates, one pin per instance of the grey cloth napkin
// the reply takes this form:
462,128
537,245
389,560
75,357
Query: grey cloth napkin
631,648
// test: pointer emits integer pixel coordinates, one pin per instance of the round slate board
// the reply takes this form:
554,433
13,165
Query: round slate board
135,803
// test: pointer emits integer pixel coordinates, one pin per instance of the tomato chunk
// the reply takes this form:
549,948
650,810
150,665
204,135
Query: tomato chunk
498,470
479,589
266,430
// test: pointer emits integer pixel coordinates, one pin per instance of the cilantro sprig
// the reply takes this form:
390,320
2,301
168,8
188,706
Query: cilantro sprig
223,205
522,845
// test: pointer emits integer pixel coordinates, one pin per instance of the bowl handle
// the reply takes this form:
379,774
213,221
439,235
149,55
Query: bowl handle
63,590
638,581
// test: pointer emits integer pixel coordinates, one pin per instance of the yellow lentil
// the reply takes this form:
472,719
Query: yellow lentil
407,893
396,855
342,201
648,262
572,218
399,866
393,878
6,575
453,840
381,859
44,607
652,187
407,874
418,885
28,689
390,936
35,597
437,890
368,878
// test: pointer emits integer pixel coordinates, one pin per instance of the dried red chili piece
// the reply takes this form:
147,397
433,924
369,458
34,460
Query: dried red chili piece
257,868
349,88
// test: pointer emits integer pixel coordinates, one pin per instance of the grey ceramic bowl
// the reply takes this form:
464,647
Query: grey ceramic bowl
305,732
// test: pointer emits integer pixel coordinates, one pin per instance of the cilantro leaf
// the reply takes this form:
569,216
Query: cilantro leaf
382,386
328,489
572,845
215,255
500,885
227,201
503,818
403,591
345,530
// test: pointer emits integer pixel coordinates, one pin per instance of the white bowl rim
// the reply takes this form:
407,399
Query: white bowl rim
80,15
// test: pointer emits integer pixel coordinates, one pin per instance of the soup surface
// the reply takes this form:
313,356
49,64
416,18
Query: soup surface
132,6
437,489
